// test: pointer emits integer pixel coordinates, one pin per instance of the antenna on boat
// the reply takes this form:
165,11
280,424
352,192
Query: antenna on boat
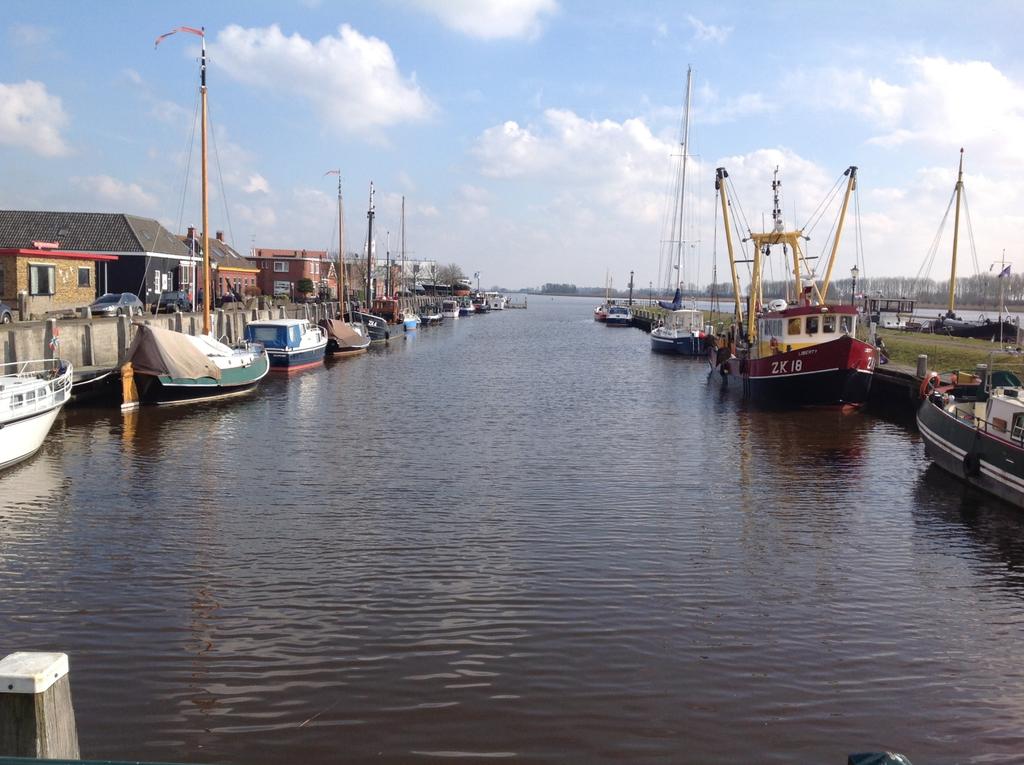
777,226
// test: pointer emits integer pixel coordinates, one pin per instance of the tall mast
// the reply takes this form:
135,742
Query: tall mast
405,285
341,250
682,181
956,232
206,200
387,267
201,33
369,250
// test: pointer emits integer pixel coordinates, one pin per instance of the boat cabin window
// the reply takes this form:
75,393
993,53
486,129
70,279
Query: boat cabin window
812,325
1017,434
769,327
844,324
794,326
828,324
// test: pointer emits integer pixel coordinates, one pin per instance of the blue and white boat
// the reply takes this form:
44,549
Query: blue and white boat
410,320
291,344
681,330
619,316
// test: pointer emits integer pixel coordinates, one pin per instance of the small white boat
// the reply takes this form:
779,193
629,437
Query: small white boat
495,301
31,395
450,309
619,316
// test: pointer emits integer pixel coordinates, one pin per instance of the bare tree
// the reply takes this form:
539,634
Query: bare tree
450,274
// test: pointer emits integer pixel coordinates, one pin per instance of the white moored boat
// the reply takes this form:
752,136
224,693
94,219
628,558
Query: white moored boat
450,309
31,395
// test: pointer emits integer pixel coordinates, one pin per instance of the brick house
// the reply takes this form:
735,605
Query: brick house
51,279
281,270
146,257
231,272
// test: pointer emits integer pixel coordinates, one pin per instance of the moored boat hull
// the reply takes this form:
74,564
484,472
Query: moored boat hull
164,390
972,455
294,360
834,373
23,438
686,345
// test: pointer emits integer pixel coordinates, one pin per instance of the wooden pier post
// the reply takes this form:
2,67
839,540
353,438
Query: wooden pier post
36,715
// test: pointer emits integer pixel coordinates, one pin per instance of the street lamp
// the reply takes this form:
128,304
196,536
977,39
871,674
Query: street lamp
854,273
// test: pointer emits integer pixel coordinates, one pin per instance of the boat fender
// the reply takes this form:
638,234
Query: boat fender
774,345
972,465
930,381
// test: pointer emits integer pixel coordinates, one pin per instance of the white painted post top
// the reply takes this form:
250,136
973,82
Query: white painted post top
31,671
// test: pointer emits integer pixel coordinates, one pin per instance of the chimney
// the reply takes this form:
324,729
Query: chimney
191,232
220,236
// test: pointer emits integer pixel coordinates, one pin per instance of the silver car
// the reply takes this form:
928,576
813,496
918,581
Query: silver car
115,304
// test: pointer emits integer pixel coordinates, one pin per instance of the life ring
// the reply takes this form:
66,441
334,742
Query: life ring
972,465
930,381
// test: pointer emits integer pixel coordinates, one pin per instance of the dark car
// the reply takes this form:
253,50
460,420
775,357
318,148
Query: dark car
114,304
175,300
6,314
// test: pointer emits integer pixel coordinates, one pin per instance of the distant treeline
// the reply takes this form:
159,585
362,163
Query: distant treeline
982,290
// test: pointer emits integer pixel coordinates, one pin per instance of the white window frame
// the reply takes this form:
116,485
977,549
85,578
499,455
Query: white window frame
280,267
34,290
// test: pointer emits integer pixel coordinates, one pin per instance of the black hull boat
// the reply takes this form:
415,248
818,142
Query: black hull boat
976,432
983,329
376,327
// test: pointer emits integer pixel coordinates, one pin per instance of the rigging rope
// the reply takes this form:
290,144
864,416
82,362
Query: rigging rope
188,161
220,175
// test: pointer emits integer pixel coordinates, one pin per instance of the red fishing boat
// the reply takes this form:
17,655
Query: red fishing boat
802,350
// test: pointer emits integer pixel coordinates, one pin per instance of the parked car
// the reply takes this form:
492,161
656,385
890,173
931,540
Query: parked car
175,299
114,304
6,314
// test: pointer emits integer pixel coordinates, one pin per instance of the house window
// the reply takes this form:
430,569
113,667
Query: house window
41,280
280,267
84,276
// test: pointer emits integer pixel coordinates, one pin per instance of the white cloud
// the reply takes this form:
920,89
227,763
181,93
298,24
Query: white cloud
708,32
353,81
491,19
714,110
32,119
620,165
116,195
256,183
30,35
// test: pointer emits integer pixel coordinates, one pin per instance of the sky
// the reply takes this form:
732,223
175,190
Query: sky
533,141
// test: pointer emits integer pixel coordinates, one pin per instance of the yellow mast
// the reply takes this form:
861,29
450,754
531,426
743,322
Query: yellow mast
956,232
851,184
720,176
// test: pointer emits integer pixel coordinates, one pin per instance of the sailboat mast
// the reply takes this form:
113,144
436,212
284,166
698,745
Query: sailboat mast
206,201
682,179
405,284
956,232
369,250
341,251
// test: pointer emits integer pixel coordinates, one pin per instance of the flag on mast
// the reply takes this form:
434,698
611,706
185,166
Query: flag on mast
1005,271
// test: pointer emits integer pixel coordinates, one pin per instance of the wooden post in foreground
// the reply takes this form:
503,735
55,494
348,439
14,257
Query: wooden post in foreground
36,716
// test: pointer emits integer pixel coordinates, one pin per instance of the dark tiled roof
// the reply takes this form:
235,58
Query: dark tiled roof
154,237
87,232
222,254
